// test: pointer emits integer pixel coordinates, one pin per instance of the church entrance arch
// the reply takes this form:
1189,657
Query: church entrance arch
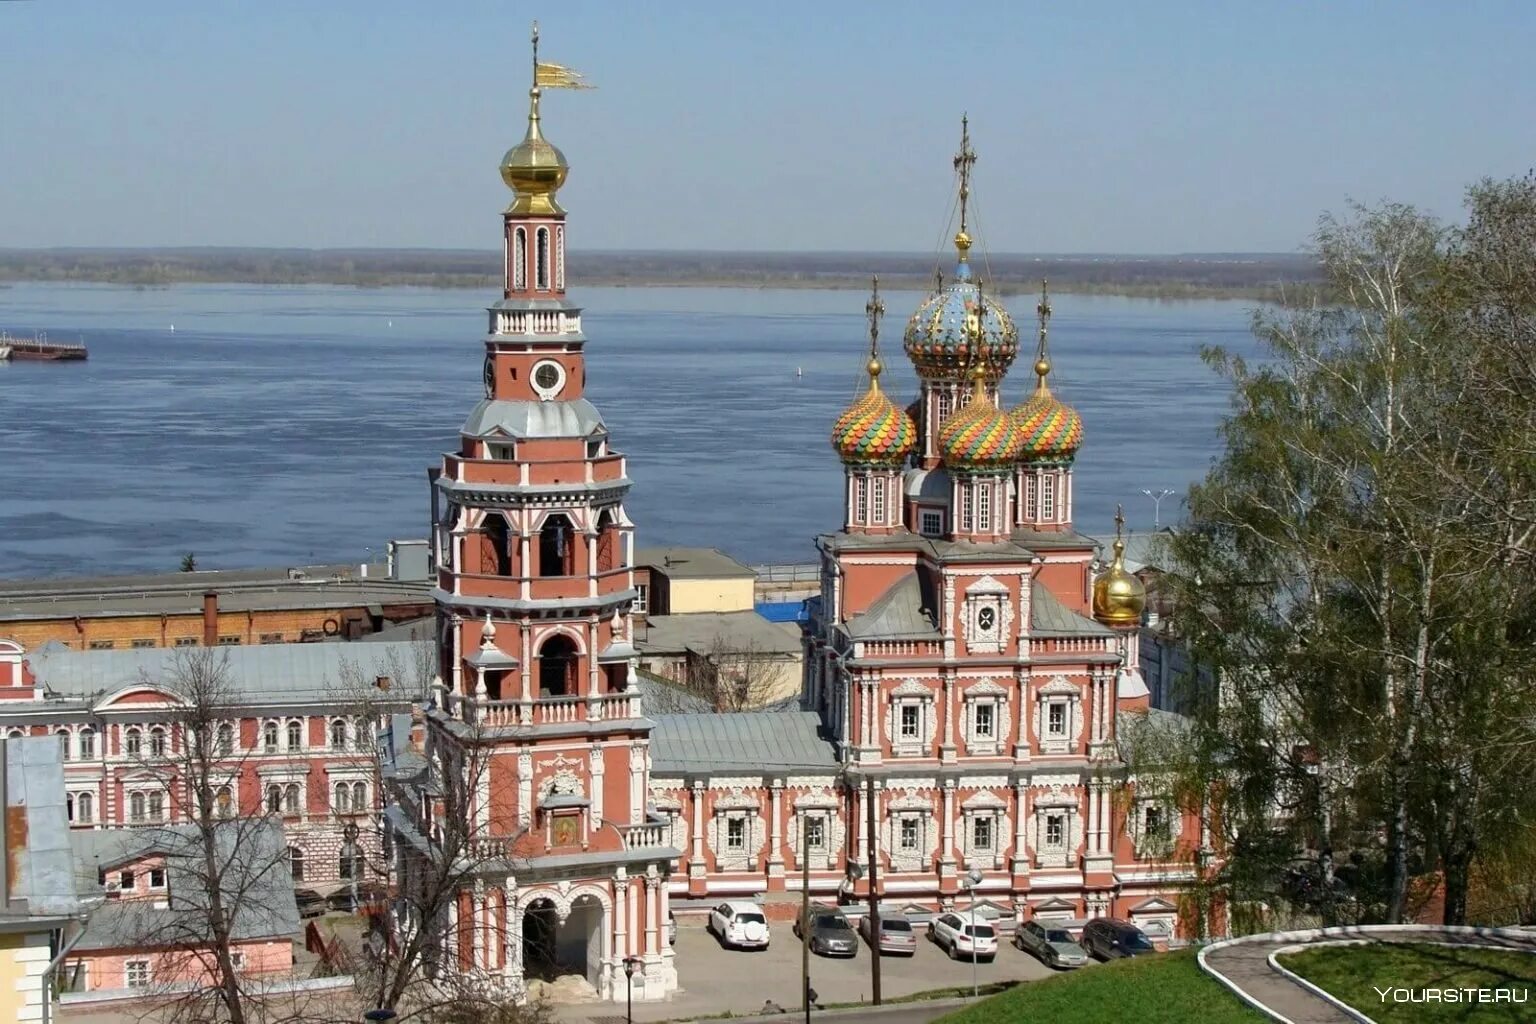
557,945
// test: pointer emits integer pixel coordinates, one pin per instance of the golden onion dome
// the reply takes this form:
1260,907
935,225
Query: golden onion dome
534,168
1118,596
873,431
980,436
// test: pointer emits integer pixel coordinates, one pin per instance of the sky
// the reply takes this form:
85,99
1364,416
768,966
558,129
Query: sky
1136,127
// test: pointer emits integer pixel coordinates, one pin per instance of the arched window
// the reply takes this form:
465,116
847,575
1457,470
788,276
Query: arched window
87,744
541,271
338,735
16,734
341,799
157,742
63,735
860,500
224,803
359,797
291,798
69,806
269,738
156,807
136,807
557,667
85,808
296,863
133,742
274,799
295,735
520,259
362,734
496,546
226,739
555,556
559,258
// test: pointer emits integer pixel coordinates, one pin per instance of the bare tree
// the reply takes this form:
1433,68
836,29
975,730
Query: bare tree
736,674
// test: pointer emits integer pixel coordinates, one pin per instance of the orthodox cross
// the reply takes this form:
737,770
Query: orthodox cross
964,161
1043,310
874,309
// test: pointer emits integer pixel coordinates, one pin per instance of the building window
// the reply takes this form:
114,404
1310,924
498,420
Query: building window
359,797
102,645
269,738
931,523
226,741
541,255
296,863
157,878
136,973
63,735
338,735
1154,824
133,742
877,502
1055,830
816,833
125,880
911,722
136,807
967,519
229,640
984,720
1030,512
156,807
559,258
861,500
1056,719
295,735
945,405
981,833
910,836
186,641
237,959
85,808
274,799
1048,499
642,602
87,744
362,734
736,834
271,638
224,803
984,507
157,742
292,801
520,259
141,642
341,799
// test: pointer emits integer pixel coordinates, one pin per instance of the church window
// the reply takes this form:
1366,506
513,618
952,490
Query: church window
911,722
1154,825
981,832
967,519
736,834
1056,718
1031,510
910,837
816,833
983,720
861,500
1048,499
877,504
557,667
1055,830
983,507
931,523
520,259
560,259
555,555
945,404
541,271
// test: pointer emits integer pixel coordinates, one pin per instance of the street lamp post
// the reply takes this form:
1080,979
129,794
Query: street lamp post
631,965
971,880
1157,504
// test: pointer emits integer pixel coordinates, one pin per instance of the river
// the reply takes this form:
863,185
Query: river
289,425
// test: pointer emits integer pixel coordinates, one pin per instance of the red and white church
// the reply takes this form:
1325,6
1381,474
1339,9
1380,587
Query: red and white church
969,664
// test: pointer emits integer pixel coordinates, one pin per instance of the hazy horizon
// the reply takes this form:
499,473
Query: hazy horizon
1114,129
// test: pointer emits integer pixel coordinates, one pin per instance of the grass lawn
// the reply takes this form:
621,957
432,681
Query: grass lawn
1165,989
1354,973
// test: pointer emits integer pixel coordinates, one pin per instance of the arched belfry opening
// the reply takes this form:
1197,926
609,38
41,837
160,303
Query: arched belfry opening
557,667
556,557
497,549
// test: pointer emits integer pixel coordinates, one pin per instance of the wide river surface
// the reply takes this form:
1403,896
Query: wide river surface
290,425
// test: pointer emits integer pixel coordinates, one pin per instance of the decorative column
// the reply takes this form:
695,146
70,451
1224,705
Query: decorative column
622,895
696,858
636,783
775,830
525,788
947,830
1020,864
947,750
595,759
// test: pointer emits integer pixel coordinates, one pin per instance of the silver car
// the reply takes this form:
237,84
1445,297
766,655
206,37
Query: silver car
896,934
1053,946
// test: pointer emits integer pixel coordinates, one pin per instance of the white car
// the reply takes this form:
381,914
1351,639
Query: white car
740,924
958,937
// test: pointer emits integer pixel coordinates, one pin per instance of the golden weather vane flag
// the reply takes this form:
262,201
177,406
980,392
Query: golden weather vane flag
547,75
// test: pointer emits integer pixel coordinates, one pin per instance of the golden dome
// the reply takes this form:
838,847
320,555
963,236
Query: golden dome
1118,596
534,168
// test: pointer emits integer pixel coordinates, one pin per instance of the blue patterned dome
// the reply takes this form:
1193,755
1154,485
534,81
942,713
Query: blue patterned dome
938,338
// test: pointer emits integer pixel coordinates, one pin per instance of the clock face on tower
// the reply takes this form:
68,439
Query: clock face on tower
548,379
490,377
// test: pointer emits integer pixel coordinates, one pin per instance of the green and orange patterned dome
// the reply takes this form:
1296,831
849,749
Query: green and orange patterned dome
981,436
873,431
1050,430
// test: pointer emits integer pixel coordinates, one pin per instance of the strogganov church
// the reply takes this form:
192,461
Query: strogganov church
967,669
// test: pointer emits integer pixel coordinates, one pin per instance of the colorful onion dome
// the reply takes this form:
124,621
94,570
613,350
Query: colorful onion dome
980,436
937,339
1049,429
873,431
1118,596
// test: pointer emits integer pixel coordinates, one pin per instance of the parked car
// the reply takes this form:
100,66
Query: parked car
896,934
958,937
1053,946
740,924
1110,938
830,932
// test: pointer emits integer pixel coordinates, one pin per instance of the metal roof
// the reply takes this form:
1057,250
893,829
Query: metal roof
575,418
717,632
279,672
27,602
748,741
36,830
904,612
1049,617
681,563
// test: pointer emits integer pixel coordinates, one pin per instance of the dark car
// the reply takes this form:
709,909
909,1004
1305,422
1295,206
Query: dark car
831,934
1109,938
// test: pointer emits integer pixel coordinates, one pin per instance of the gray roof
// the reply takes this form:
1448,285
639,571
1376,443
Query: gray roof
707,632
748,741
929,485
1049,617
682,563
424,628
575,418
40,869
255,880
29,601
904,612
936,548
276,672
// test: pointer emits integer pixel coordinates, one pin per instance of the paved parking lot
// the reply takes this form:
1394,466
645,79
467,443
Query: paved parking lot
715,980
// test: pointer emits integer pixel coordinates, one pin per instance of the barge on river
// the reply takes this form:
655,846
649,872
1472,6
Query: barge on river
40,349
